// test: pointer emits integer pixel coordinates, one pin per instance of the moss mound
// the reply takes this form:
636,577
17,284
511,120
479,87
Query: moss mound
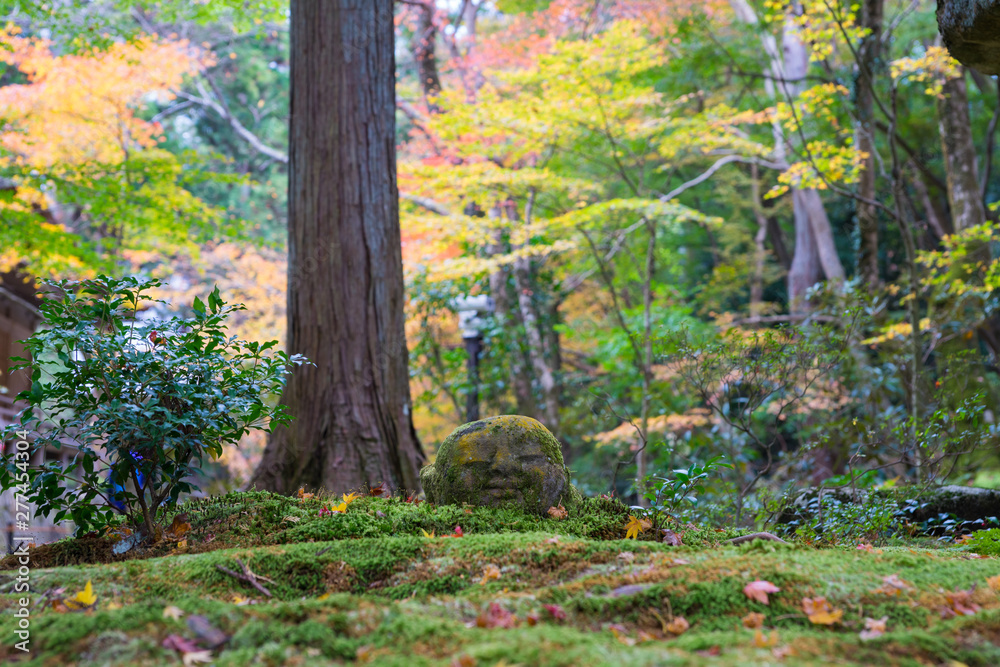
531,598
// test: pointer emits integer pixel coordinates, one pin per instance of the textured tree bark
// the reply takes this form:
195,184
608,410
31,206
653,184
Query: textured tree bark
811,221
964,195
868,57
352,413
760,251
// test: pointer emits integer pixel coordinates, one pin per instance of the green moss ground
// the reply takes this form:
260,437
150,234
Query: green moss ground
366,586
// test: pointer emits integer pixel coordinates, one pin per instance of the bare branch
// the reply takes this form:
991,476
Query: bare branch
253,140
429,204
707,174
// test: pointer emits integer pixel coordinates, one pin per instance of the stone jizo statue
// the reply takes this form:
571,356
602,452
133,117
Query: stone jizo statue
507,459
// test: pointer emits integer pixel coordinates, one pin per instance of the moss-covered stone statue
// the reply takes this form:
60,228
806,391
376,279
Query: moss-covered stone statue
507,459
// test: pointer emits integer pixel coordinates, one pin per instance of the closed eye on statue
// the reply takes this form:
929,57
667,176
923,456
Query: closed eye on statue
536,459
478,465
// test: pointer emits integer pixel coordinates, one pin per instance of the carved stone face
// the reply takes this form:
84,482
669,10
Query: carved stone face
508,459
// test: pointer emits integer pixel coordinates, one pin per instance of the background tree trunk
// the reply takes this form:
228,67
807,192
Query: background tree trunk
869,53
422,44
964,195
508,319
815,254
345,291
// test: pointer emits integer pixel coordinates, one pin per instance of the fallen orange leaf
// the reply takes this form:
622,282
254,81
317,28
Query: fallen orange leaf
873,628
558,513
820,611
490,572
678,625
760,640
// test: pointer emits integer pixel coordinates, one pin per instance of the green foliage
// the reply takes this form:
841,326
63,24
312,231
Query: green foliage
671,494
837,521
84,25
986,542
143,401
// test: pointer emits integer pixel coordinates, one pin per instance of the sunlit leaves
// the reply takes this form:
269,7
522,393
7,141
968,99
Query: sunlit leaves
89,179
932,69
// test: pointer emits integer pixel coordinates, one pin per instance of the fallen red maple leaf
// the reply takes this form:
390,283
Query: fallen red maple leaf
758,590
496,616
558,613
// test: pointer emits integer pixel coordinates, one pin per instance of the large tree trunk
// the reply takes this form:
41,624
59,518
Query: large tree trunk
345,292
964,193
868,57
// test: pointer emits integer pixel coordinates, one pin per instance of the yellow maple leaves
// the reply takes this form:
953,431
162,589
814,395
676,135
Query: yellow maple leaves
346,500
636,526
81,107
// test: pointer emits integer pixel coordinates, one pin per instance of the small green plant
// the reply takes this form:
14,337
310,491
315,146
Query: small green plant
143,403
986,542
835,520
672,493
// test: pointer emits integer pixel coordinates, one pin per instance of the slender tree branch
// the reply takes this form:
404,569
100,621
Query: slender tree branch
253,140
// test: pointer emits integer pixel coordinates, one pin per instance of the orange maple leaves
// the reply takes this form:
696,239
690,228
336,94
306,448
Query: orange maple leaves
81,107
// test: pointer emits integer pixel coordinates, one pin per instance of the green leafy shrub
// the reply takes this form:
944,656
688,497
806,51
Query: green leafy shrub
835,520
144,402
670,494
986,542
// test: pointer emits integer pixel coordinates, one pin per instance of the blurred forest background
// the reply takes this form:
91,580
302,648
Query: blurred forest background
757,230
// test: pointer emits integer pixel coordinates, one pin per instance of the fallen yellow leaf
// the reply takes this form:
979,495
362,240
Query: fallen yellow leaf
175,613
83,599
820,611
490,572
636,526
760,640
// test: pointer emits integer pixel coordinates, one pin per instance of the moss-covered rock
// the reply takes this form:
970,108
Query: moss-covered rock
971,31
506,459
